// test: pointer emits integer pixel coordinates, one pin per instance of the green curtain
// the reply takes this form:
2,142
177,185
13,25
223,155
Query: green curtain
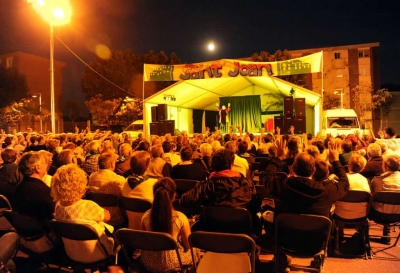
245,111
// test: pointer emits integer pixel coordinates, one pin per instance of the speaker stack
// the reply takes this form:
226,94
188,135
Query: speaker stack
294,114
159,124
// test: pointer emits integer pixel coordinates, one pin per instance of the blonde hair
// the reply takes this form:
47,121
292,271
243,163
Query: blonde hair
68,184
216,145
205,149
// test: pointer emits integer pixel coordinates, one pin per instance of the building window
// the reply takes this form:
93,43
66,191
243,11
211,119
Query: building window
365,70
9,62
363,54
337,55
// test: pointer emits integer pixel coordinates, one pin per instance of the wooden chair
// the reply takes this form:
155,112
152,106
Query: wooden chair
146,240
134,209
227,250
302,235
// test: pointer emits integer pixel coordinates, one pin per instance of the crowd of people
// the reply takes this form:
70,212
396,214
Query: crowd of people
46,177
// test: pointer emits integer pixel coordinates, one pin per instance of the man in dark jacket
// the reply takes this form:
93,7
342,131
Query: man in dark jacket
374,163
301,194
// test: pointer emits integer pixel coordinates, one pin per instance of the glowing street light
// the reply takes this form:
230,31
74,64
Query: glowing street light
56,13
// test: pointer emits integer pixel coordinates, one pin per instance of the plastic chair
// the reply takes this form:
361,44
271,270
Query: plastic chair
348,201
302,235
184,185
146,240
134,209
226,219
102,199
390,202
92,254
223,243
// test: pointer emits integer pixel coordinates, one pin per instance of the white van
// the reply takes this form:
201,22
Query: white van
339,122
134,129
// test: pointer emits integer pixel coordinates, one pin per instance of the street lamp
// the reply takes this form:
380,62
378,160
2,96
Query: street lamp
40,109
56,13
340,93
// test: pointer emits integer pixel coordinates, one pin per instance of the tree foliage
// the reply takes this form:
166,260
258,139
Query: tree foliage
13,86
362,98
331,102
124,69
279,55
383,99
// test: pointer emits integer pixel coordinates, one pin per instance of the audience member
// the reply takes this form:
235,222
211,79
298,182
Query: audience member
91,163
123,164
10,176
374,163
158,166
188,169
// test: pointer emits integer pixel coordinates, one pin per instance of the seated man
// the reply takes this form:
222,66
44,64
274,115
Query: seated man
123,163
188,168
240,164
158,167
389,180
107,181
9,174
374,164
91,163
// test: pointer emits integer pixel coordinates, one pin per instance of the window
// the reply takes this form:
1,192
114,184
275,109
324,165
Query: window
337,55
363,54
364,70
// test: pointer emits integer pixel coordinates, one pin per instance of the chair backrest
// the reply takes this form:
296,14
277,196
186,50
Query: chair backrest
353,206
184,185
102,199
387,197
4,203
385,206
147,240
302,235
353,196
226,219
27,227
134,209
223,243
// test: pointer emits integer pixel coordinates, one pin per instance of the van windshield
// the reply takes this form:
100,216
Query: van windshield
343,122
135,127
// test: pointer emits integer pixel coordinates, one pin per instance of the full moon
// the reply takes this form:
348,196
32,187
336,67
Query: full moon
211,46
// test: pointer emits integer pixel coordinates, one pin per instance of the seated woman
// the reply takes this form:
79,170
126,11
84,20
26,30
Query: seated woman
187,169
206,151
163,218
68,187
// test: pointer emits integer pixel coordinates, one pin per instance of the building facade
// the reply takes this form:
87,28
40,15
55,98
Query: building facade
37,72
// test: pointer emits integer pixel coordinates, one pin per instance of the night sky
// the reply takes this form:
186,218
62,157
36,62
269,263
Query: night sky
238,29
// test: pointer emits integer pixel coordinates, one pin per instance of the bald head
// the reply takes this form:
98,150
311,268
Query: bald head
125,149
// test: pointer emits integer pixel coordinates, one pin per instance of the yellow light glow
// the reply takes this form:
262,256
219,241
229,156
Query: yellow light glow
211,46
55,12
103,51
58,13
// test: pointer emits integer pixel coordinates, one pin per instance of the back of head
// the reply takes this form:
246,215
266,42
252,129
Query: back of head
68,184
106,161
243,146
222,159
143,146
205,149
94,146
166,145
125,149
215,145
70,146
231,145
9,155
321,170
391,163
356,163
374,150
312,150
193,145
27,163
140,161
320,145
390,132
346,145
304,165
161,210
186,153
156,151
65,157
156,141
227,137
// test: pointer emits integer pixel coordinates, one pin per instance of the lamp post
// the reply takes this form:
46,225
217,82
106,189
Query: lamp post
56,13
339,93
40,109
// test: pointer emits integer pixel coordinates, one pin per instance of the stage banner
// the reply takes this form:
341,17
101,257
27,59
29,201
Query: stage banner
227,68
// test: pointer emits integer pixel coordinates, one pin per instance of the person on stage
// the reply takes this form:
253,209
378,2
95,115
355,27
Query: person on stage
223,117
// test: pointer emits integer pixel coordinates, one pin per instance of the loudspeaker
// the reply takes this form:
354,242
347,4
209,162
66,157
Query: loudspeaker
170,127
154,113
162,128
287,122
278,122
162,112
154,128
288,106
300,125
300,106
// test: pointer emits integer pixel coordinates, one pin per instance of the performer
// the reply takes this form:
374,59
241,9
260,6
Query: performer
223,117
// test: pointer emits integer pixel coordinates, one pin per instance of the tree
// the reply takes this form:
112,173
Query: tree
13,86
279,55
383,99
330,102
102,110
362,99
